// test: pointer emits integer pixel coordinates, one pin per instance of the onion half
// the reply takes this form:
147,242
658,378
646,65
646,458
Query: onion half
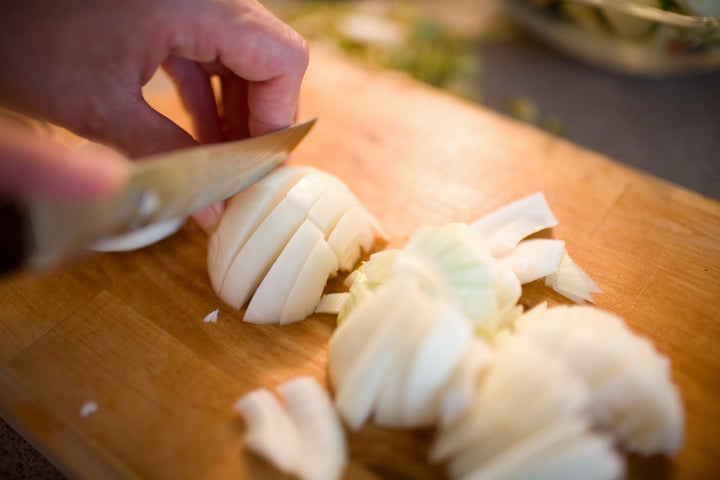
279,241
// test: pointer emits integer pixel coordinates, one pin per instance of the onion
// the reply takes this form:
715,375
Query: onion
526,421
633,394
533,259
211,317
571,281
323,450
279,241
301,436
392,355
506,226
458,393
451,263
88,408
431,334
270,431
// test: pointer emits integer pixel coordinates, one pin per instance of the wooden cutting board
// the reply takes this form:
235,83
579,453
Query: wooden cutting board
126,330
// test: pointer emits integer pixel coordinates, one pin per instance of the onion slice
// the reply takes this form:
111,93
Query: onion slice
323,449
572,281
270,432
506,226
301,435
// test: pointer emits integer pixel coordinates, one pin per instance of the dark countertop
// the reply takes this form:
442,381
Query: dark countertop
669,127
19,461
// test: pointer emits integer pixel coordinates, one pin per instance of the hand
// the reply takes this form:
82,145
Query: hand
34,166
81,64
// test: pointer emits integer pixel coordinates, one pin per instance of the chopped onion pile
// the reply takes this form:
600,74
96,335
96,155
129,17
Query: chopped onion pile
279,241
301,435
633,396
527,420
432,334
480,266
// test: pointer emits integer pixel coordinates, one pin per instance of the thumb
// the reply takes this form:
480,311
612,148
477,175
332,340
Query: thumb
35,167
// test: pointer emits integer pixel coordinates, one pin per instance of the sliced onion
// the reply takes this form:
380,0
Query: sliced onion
278,242
270,431
306,292
534,259
323,450
266,305
242,215
633,394
457,395
571,281
332,303
526,417
302,435
392,355
361,353
451,263
506,226
351,236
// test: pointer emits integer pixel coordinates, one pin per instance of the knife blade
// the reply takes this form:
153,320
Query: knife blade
160,187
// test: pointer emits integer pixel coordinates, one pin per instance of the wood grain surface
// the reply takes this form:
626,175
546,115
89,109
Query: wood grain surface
126,330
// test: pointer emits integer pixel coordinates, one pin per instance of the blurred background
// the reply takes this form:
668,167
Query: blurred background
643,92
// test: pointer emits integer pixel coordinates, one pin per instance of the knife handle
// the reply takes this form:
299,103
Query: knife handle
14,227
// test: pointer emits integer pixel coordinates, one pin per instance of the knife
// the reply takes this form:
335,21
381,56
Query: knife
160,187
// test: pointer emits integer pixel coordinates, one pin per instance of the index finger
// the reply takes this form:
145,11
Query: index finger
258,47
274,73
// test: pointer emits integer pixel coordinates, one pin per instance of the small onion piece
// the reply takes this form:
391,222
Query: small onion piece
534,259
301,435
571,281
270,431
507,225
323,449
